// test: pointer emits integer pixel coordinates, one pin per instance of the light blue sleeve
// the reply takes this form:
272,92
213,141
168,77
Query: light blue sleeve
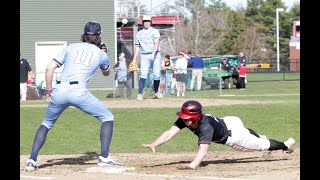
105,65
136,41
156,33
60,58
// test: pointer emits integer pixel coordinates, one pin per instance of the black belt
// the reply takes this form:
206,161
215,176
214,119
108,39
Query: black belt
149,53
72,82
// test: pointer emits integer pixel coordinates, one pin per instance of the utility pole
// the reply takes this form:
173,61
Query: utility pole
277,23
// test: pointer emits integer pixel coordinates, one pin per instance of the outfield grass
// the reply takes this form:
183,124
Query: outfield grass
272,76
77,132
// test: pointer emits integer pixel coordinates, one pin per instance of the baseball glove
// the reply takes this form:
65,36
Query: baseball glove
132,66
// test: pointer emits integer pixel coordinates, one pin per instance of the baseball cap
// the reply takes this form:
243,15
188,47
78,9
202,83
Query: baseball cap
146,18
92,28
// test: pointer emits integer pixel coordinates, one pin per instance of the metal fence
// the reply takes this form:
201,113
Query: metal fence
211,79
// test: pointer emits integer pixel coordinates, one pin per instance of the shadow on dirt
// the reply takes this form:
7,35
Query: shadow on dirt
225,161
240,160
81,160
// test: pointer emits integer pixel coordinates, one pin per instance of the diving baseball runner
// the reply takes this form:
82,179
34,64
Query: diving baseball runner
228,130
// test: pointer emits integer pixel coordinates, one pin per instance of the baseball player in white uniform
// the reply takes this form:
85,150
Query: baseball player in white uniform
147,43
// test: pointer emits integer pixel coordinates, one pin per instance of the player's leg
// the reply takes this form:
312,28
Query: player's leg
93,106
243,140
253,132
23,89
121,86
199,79
178,85
128,84
183,84
193,77
156,69
256,134
144,70
161,87
168,79
52,114
101,112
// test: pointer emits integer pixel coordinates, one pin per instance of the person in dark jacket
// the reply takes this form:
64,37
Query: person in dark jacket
197,64
242,58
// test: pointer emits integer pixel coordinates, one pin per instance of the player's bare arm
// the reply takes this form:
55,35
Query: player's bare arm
31,74
185,55
105,72
49,77
202,152
155,48
136,52
163,65
166,136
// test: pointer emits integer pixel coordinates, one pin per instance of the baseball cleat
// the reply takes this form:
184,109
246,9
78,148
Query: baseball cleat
31,165
290,144
157,96
107,162
139,97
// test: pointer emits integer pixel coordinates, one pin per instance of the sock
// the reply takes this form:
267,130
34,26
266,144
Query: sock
253,132
105,137
156,85
38,141
276,145
141,85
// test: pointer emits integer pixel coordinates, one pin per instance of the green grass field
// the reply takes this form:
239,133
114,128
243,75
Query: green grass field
77,132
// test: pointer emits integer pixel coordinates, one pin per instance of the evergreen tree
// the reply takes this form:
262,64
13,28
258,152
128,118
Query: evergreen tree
234,39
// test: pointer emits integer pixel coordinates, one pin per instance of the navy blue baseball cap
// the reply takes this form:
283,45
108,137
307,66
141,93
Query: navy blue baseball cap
92,28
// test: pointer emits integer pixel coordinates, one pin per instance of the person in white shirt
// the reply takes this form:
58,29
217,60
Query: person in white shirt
181,73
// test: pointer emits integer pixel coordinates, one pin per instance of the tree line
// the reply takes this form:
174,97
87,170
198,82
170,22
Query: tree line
210,27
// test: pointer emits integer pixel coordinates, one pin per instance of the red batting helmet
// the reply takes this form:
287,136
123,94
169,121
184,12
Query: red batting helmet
190,110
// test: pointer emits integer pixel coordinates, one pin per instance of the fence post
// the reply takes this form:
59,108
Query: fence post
220,80
113,84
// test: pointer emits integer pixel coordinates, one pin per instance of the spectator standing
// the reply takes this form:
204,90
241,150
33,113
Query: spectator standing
30,76
197,66
181,73
32,90
166,65
242,58
147,44
25,69
70,90
242,76
123,77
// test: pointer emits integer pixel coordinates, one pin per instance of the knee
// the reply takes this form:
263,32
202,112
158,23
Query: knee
47,125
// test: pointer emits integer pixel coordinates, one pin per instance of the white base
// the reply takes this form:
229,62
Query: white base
110,169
